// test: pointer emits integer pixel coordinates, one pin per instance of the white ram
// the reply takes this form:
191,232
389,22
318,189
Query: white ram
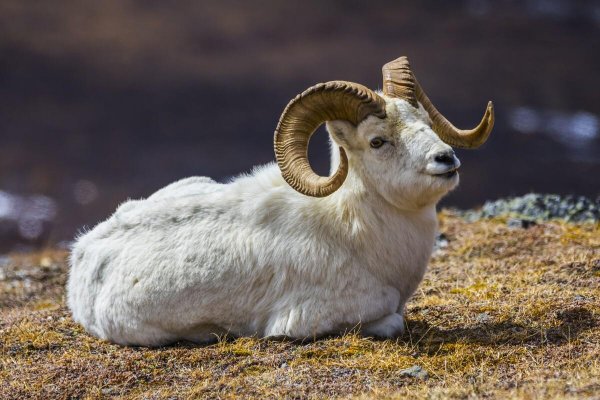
282,251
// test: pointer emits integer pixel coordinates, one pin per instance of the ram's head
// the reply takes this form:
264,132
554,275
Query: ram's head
395,141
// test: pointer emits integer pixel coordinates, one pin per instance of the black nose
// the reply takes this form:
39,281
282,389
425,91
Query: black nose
446,157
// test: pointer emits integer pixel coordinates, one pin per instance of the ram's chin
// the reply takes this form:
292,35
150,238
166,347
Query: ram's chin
441,185
452,180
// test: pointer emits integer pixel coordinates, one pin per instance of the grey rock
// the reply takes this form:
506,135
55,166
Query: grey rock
441,241
416,371
539,207
520,223
482,318
108,391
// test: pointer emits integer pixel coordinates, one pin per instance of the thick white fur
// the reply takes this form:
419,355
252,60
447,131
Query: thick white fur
253,257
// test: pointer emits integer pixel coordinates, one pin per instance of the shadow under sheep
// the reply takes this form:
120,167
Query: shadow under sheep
428,338
573,322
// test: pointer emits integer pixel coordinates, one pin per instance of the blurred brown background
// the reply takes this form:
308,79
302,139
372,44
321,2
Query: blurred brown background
102,101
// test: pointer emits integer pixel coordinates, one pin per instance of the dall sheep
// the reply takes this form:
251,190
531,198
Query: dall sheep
282,251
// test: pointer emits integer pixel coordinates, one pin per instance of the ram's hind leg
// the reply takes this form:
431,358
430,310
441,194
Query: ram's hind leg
390,326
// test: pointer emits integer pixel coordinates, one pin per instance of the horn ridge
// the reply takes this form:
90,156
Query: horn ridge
303,115
398,81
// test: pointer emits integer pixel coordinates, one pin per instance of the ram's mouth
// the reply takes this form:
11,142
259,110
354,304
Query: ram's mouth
448,174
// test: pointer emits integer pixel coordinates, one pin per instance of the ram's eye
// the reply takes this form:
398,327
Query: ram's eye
377,143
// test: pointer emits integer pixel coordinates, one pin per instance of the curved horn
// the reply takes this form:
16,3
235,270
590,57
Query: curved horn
398,81
335,100
467,139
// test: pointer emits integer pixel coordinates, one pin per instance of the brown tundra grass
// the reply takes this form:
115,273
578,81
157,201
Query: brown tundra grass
502,313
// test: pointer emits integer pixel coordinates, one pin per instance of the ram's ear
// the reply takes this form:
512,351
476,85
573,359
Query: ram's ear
342,132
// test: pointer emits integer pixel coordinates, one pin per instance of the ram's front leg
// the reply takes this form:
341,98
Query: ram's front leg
390,326
285,324
301,323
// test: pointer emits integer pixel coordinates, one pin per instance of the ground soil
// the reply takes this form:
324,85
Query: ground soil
502,313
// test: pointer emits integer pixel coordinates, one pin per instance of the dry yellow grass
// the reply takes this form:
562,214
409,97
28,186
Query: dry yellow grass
502,313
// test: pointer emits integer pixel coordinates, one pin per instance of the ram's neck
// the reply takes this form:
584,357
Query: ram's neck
359,211
394,244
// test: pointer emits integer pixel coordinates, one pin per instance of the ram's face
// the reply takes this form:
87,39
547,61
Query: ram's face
387,138
400,156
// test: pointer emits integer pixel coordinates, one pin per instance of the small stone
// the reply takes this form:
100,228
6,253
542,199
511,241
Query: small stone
46,262
416,371
441,241
20,274
520,223
482,318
